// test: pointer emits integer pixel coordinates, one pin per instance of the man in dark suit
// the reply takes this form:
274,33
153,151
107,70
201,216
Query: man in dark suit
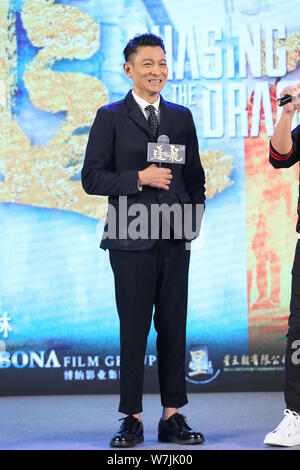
148,270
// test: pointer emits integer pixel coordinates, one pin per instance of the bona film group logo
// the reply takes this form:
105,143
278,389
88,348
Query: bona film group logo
200,368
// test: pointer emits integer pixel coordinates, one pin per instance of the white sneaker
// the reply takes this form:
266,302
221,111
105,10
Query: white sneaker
287,433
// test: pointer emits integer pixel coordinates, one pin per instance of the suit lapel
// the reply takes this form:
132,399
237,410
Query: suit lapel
137,116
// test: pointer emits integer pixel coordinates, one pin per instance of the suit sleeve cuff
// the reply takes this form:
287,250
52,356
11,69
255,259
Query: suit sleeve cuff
128,182
140,188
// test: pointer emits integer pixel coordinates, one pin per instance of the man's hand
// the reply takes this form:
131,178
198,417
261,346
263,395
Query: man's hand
294,90
282,138
155,177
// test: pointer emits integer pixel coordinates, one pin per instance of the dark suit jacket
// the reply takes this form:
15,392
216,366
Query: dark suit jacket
117,150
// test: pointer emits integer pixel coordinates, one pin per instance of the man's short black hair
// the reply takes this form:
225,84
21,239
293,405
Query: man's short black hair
142,40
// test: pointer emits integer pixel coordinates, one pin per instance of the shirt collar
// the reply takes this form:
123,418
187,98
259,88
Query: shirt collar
143,103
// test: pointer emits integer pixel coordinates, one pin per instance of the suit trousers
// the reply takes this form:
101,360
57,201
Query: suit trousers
292,355
156,277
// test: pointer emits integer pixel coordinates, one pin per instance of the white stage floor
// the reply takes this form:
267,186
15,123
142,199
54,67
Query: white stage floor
227,420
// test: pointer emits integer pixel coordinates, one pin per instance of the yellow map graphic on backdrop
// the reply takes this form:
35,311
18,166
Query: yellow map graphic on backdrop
42,176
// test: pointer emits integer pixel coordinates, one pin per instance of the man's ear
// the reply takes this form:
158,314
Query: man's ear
127,69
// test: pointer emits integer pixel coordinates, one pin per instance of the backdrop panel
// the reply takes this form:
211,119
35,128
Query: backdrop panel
59,62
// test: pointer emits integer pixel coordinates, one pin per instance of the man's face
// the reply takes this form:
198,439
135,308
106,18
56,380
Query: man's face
148,70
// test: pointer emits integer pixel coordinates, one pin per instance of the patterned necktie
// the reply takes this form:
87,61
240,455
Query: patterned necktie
152,119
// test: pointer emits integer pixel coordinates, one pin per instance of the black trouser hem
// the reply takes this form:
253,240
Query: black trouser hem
174,403
130,410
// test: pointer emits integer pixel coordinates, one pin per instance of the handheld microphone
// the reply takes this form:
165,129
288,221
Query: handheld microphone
164,152
163,139
285,100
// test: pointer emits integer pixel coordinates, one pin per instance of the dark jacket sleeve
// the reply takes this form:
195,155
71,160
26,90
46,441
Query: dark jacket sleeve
98,175
193,172
279,160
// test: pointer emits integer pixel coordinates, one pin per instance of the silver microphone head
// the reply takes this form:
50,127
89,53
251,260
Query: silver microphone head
163,139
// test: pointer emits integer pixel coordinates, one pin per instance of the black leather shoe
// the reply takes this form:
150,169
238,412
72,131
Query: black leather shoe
130,433
176,429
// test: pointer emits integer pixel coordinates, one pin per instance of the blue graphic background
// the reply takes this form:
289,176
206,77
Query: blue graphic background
56,284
